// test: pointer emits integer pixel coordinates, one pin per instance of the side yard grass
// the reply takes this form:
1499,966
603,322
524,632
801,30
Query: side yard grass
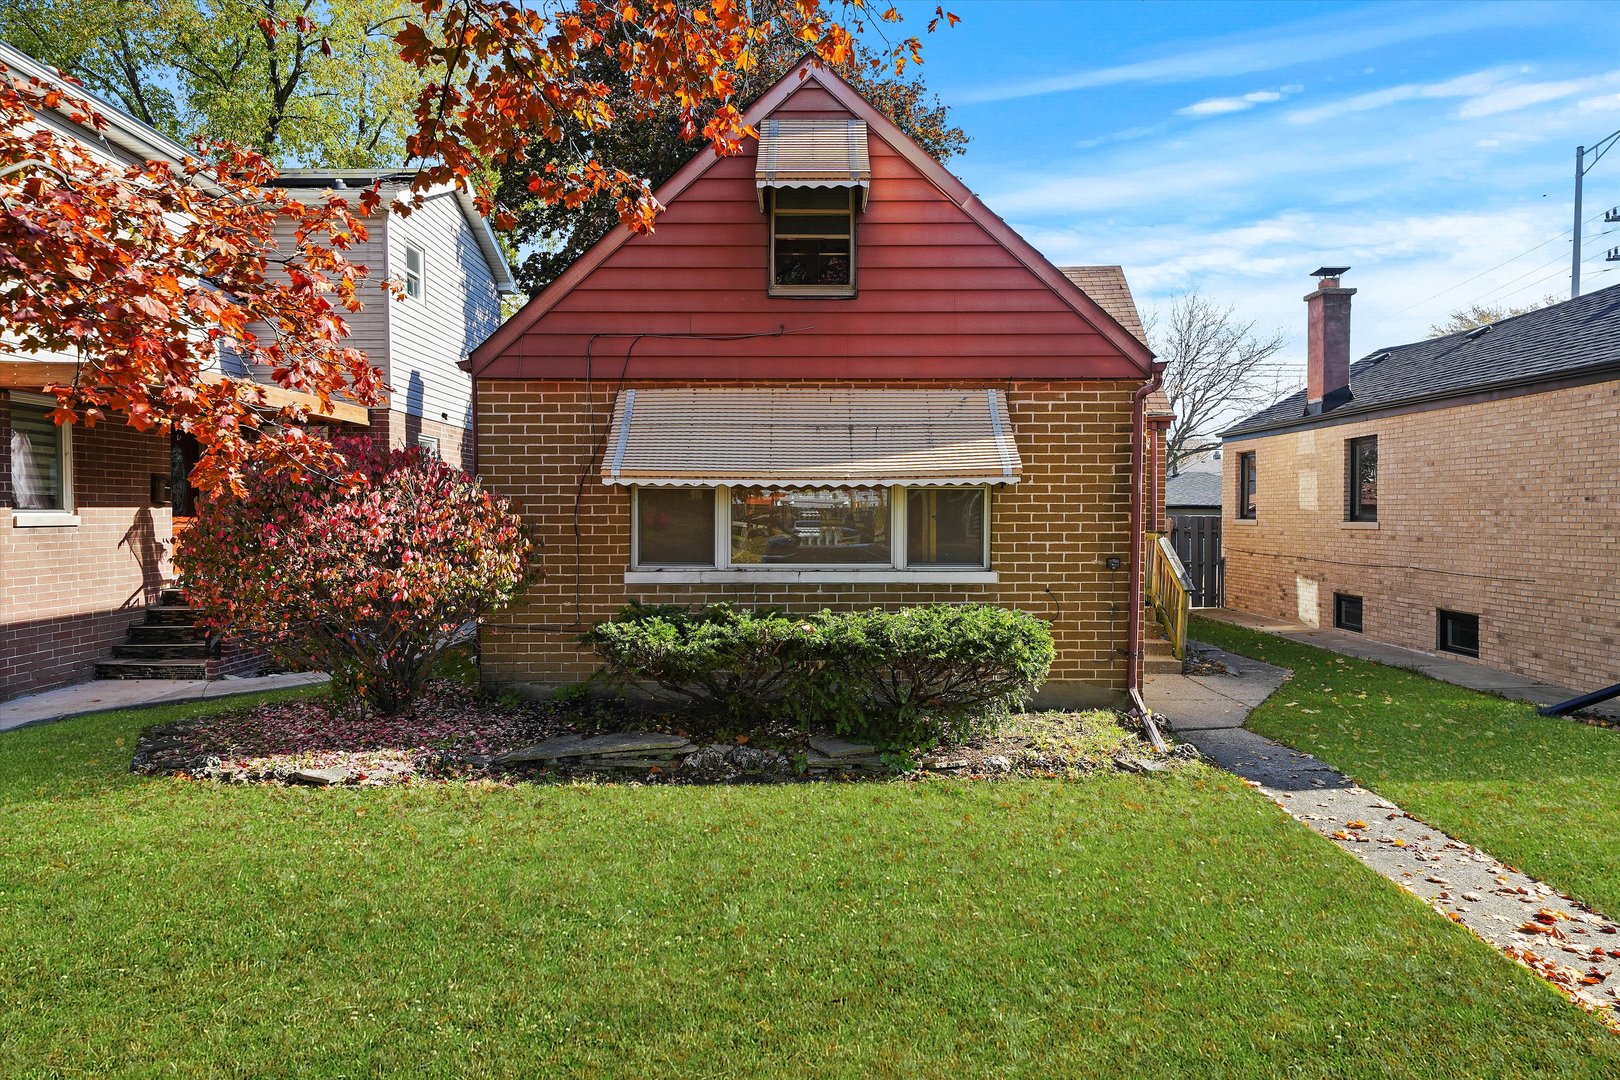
1541,793
1121,925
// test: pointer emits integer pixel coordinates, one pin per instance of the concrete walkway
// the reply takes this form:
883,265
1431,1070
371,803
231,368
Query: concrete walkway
100,695
1446,669
1569,945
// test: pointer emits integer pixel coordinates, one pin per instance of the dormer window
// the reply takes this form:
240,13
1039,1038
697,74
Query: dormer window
812,241
813,175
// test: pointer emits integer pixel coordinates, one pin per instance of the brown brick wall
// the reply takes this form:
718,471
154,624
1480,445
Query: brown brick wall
68,594
1509,509
1050,534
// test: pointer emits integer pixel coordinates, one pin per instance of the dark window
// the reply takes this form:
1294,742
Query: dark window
1458,633
674,526
945,526
1248,479
1347,612
40,456
1362,461
812,241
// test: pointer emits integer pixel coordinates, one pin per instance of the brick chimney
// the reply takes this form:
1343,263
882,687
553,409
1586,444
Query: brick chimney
1327,326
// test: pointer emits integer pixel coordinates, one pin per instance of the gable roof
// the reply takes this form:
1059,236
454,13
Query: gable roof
1193,489
1578,337
806,72
399,183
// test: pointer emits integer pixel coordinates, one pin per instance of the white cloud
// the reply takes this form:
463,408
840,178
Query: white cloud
1523,95
1471,85
1219,106
1307,41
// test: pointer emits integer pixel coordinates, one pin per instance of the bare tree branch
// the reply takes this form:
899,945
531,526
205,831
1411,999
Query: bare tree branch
1217,365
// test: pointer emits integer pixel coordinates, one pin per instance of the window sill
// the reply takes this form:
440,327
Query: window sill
812,292
811,577
44,519
1245,521
1359,524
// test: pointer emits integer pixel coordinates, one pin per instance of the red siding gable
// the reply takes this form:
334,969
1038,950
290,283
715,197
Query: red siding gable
942,291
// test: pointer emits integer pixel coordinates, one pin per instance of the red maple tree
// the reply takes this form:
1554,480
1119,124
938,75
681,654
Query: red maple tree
144,274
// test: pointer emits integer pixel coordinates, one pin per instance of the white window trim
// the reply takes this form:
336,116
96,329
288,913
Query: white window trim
421,272
837,291
724,571
65,516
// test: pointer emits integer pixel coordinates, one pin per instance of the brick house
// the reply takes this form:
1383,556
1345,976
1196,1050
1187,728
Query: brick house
830,378
87,514
1454,495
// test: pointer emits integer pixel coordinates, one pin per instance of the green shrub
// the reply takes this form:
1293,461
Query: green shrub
904,678
919,675
740,664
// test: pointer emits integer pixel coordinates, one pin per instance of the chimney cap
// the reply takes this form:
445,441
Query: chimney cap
1328,271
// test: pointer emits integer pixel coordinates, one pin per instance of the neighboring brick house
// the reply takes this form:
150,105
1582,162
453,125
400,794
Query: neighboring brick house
830,378
87,514
1455,495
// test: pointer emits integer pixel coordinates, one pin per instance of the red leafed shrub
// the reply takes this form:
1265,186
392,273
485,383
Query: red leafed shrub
370,580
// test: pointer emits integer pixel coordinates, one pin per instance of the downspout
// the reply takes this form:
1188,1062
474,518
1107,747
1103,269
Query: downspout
1133,633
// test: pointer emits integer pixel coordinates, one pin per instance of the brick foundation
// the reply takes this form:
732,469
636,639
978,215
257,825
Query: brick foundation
1508,509
397,430
1051,534
69,593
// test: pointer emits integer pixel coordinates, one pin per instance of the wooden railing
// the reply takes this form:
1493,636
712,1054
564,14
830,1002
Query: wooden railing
1169,589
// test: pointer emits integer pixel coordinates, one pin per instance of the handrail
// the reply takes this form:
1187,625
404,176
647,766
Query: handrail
1169,590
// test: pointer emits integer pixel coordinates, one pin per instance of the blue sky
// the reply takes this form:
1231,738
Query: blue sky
1234,147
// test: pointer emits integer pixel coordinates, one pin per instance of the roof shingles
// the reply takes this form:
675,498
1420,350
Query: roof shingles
1550,343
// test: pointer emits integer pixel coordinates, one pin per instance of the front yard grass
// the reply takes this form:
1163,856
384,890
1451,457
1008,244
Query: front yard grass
1540,793
1120,925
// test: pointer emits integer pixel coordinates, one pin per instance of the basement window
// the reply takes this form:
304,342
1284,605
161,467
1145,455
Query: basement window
1347,612
1457,632
812,241
1361,466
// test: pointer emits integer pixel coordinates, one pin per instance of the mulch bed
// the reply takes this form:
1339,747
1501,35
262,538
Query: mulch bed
457,733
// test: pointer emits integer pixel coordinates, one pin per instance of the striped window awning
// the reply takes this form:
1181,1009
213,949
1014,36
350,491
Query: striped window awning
813,153
781,437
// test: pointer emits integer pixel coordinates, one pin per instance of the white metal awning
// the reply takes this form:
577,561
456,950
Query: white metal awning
813,153
789,437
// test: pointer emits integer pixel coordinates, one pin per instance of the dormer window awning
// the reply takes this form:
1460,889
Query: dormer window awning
813,153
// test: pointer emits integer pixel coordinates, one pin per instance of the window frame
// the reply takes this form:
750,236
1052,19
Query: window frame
1248,465
1444,615
723,564
824,291
419,275
1353,508
67,513
1340,622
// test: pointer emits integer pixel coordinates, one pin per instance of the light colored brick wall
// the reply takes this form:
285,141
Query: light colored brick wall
397,430
1050,534
1509,509
68,594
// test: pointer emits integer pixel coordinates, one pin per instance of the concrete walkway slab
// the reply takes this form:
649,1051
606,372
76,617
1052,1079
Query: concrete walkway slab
1559,939
102,695
1457,672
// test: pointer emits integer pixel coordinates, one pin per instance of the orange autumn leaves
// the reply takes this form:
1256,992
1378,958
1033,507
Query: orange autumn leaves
507,74
146,274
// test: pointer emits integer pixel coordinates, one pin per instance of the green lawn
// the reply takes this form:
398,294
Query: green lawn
1541,793
1142,926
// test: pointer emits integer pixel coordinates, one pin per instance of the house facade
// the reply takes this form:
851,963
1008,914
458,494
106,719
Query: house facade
830,378
1456,495
87,515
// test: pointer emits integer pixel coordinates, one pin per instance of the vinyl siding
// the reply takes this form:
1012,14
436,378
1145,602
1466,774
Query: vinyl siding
458,310
938,294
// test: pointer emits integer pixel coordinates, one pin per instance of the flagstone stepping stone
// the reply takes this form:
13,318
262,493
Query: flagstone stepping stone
578,746
858,761
830,746
335,774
